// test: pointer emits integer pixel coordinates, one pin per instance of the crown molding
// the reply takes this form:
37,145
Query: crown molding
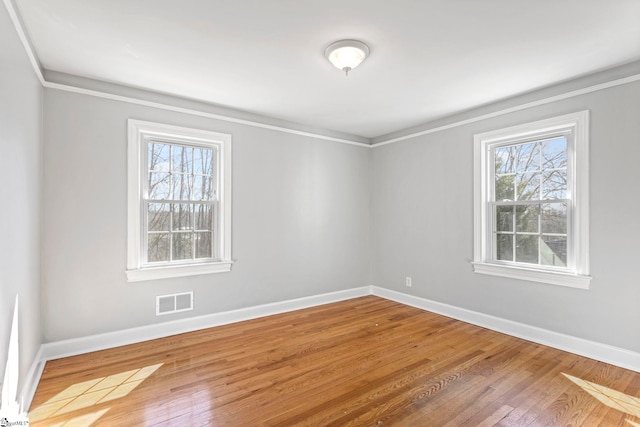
139,100
381,141
26,43
293,129
197,112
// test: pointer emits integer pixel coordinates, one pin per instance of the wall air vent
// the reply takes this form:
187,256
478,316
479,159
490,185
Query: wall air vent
174,303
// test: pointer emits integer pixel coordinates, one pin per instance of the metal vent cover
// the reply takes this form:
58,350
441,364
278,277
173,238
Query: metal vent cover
174,303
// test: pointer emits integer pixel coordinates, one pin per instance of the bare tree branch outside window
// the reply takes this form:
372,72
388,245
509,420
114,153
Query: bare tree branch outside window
181,202
530,205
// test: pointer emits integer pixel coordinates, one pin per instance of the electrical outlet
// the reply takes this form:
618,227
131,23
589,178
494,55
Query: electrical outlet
407,281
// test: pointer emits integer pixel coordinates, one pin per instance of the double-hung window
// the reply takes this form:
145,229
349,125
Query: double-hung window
531,201
179,201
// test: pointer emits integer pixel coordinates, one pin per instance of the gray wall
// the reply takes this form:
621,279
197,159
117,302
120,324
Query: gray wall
423,224
20,194
309,217
300,219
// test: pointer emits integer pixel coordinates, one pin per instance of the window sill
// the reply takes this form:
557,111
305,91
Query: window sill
154,273
550,277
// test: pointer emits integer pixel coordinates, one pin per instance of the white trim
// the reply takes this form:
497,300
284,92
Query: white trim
36,67
72,347
226,217
138,134
133,198
9,395
30,383
198,113
549,100
55,350
25,40
143,274
32,379
544,101
577,272
34,62
603,352
33,59
533,275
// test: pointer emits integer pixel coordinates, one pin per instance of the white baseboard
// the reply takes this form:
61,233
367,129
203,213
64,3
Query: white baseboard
55,350
72,347
76,346
605,353
31,381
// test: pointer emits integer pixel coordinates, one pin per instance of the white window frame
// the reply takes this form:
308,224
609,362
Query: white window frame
576,127
139,134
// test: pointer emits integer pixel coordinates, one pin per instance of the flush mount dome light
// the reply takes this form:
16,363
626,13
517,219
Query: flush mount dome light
346,54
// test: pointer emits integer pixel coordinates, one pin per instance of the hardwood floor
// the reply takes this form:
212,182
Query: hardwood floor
362,362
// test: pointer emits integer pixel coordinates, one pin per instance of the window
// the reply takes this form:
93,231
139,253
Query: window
179,201
531,201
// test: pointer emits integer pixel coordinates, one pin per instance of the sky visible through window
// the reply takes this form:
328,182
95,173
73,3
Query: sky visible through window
180,204
530,202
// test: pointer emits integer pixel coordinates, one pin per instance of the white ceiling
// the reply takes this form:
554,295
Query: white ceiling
429,58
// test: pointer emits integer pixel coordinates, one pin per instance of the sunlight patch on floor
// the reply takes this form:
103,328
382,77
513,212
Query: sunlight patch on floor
88,393
612,398
82,421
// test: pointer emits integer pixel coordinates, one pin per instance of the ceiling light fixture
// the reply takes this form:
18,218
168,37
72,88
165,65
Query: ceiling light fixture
346,54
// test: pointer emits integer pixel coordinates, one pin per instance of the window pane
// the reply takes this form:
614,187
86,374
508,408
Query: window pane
504,218
203,245
182,216
202,161
182,246
527,249
504,247
158,157
182,186
158,247
203,217
181,159
159,186
554,251
554,153
201,188
528,157
554,218
159,216
554,184
527,218
528,186
505,160
504,187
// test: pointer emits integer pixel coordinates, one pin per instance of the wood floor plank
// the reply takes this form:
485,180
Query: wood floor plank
459,396
506,380
366,361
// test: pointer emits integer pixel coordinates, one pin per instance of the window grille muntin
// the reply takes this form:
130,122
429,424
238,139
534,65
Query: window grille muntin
173,203
576,128
539,201
139,202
